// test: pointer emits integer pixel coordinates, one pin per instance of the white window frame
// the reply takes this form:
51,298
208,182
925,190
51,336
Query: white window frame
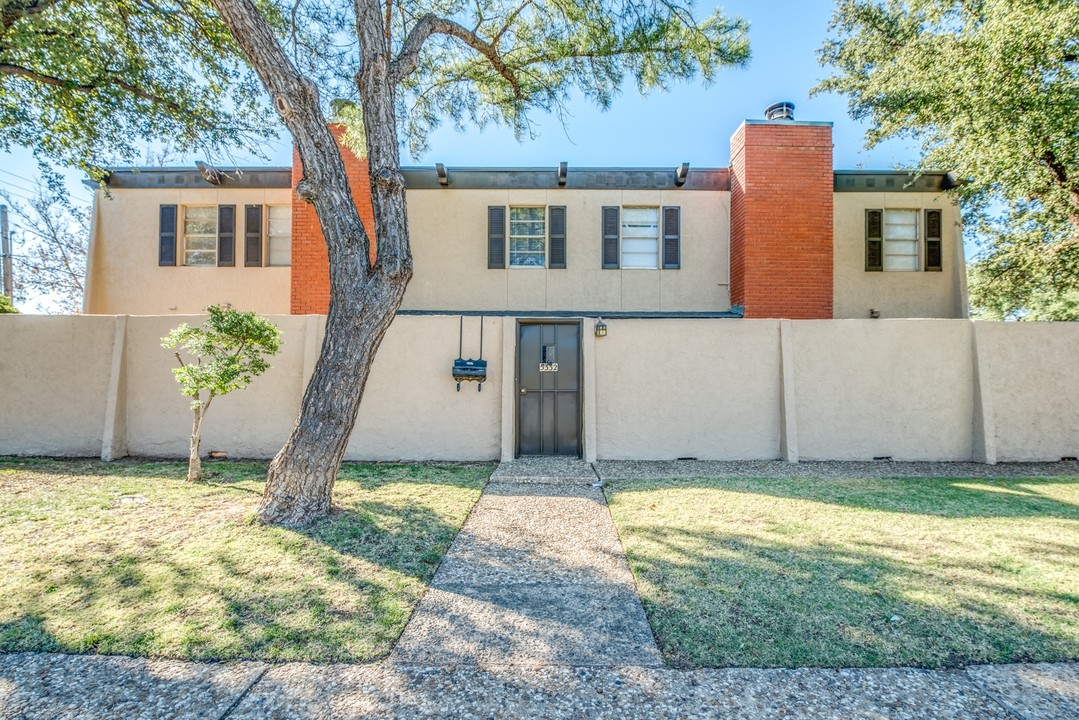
543,238
622,238
268,262
213,236
916,240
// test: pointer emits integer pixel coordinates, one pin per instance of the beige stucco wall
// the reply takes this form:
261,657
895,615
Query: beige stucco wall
124,276
448,230
1033,383
411,408
873,388
699,388
895,294
55,374
653,389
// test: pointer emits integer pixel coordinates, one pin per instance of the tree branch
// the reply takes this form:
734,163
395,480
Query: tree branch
16,10
409,58
19,71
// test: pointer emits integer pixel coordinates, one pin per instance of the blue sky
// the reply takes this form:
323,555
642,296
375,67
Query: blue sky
691,122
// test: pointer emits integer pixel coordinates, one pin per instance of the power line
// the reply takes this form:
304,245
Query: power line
6,172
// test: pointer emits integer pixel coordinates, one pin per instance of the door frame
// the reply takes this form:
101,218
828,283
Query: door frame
517,379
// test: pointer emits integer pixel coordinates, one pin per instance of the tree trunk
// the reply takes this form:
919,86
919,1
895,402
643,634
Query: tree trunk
194,461
363,298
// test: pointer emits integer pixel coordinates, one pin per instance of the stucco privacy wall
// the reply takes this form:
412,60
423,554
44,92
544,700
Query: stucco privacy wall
658,389
708,389
56,377
884,388
1031,381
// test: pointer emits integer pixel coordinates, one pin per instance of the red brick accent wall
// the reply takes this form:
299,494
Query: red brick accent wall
310,265
781,220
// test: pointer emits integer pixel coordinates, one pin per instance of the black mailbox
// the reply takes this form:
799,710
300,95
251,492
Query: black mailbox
469,370
465,370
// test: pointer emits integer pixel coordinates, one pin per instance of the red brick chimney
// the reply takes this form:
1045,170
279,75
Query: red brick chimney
781,217
310,265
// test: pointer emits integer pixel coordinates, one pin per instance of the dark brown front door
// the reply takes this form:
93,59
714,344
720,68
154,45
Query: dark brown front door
548,389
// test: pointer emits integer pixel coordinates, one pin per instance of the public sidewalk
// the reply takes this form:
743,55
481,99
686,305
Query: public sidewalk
532,614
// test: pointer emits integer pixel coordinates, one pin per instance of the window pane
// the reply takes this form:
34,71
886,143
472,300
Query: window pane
200,220
200,242
279,230
200,257
901,240
640,237
528,236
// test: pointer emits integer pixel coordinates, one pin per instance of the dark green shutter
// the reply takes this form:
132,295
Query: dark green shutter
610,238
558,237
166,236
496,237
933,247
226,235
672,243
253,236
874,240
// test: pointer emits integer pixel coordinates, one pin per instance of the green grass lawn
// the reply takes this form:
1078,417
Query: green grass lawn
132,559
855,572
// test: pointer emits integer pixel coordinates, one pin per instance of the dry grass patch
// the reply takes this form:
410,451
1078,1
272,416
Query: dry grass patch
855,572
129,558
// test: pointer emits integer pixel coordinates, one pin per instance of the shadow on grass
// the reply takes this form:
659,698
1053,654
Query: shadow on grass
943,497
786,593
206,582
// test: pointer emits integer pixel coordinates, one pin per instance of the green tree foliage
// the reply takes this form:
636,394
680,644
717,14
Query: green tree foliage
991,89
225,353
407,65
6,307
83,81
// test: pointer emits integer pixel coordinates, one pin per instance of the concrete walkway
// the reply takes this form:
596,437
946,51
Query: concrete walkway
532,614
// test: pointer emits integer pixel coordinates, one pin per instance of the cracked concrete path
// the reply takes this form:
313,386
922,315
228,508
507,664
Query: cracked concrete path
537,576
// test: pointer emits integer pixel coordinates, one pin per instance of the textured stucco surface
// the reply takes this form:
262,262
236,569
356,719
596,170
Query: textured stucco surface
874,388
917,294
124,277
688,388
1034,384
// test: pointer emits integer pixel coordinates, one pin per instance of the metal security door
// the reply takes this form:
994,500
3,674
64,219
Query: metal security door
548,386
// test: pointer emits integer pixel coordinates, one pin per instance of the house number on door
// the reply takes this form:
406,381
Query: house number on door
548,359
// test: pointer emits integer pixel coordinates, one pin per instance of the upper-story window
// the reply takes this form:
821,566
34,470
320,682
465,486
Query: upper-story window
536,236
528,237
640,237
894,240
279,235
200,235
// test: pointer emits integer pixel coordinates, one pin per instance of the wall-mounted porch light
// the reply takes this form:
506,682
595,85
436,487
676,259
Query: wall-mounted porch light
601,328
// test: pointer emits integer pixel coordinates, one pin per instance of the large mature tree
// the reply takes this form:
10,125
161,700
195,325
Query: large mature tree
412,62
84,82
991,89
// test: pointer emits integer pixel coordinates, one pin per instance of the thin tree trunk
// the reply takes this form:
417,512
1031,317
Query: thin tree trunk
194,461
363,299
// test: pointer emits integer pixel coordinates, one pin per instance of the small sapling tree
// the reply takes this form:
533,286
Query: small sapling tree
224,354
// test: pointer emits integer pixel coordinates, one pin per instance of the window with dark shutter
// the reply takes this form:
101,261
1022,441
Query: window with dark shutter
166,236
252,236
874,240
558,237
933,250
226,235
610,238
496,237
672,243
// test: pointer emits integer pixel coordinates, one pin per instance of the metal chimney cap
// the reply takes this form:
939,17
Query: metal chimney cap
779,111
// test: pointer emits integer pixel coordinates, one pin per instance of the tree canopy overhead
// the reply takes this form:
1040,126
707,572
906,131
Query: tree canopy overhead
991,89
85,82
